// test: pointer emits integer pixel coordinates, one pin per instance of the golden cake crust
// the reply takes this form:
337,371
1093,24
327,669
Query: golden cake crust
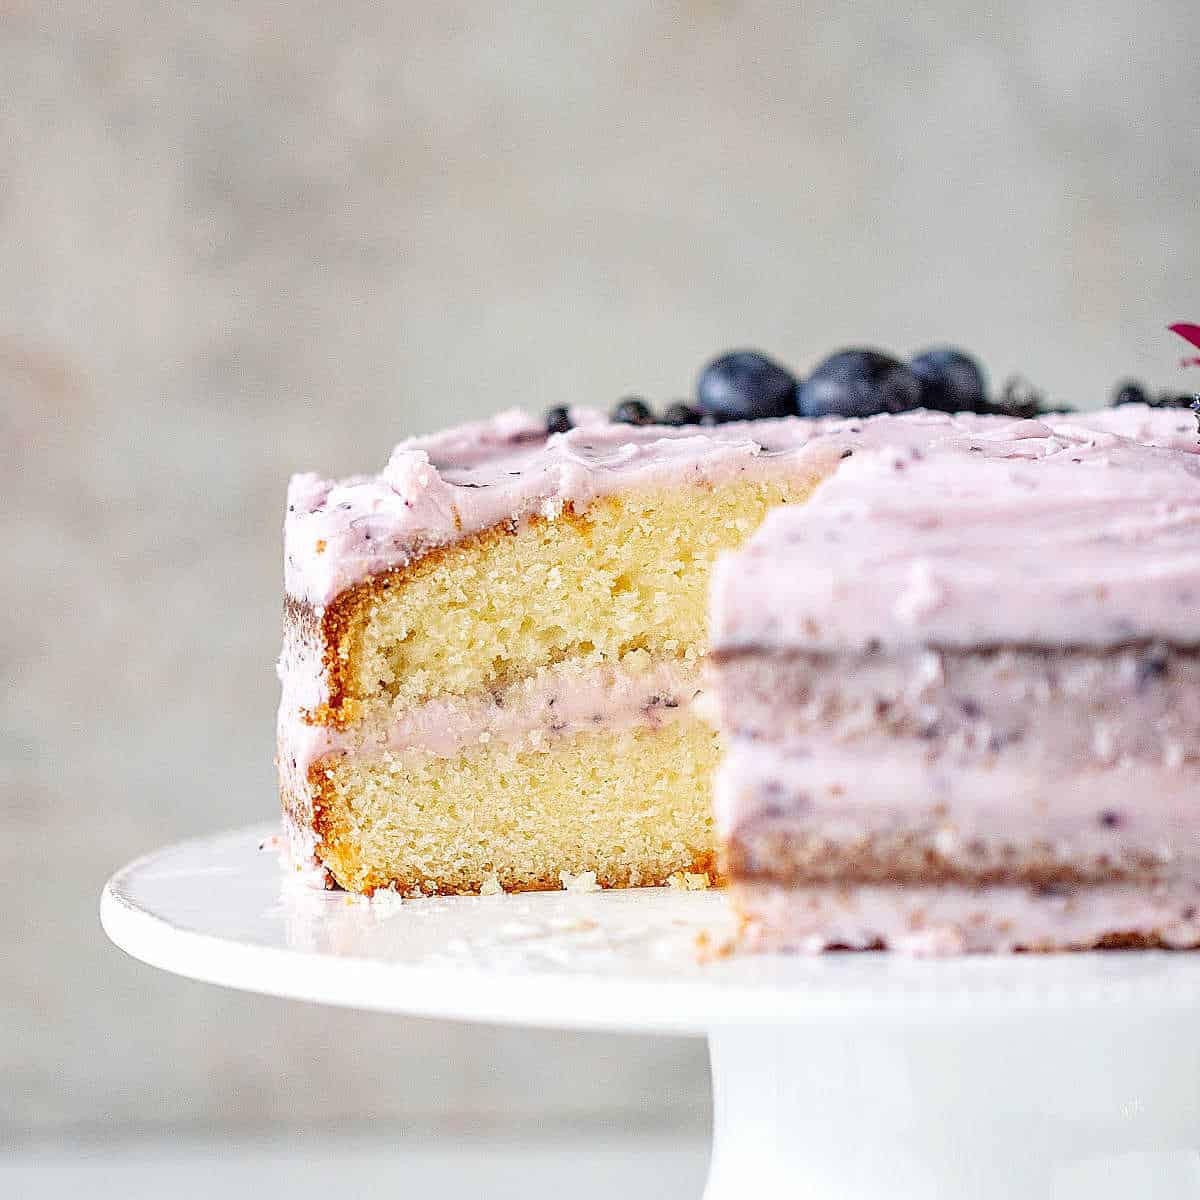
352,607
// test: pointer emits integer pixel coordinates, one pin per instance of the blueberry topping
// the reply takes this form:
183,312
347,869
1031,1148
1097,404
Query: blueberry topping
859,383
951,381
681,414
632,411
1174,400
558,419
1019,398
743,386
1110,819
1130,392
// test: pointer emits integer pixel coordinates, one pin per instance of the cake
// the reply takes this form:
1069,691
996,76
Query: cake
959,692
493,664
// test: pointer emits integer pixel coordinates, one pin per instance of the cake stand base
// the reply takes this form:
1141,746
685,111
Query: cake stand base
843,1077
1066,1109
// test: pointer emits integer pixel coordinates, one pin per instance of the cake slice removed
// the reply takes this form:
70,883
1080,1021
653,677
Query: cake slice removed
960,697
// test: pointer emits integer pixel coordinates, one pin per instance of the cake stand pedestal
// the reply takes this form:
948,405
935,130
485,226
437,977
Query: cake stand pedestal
843,1077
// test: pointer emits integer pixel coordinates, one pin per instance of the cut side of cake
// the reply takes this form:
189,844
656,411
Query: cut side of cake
493,650
960,697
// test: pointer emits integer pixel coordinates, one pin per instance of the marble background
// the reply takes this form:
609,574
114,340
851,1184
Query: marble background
240,239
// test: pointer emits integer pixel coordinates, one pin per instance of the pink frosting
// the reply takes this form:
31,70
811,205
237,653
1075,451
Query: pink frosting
891,787
439,489
445,486
557,703
1170,428
1030,533
936,921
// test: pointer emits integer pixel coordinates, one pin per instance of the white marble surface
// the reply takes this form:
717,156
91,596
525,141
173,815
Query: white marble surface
238,239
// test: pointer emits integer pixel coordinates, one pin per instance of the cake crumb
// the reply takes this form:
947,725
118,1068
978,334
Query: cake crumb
491,886
688,881
386,900
585,881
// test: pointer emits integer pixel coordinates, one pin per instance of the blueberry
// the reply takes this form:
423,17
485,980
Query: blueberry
558,419
743,386
1173,400
951,381
681,414
1129,393
859,383
1019,398
632,411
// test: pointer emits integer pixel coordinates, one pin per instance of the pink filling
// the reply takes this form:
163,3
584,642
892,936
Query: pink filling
557,703
955,920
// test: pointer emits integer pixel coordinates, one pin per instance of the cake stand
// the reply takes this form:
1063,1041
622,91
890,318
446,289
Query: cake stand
835,1078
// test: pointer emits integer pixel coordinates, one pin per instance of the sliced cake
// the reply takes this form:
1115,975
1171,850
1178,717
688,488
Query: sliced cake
492,649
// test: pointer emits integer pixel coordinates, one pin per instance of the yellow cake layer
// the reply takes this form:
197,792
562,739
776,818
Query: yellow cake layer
630,573
631,805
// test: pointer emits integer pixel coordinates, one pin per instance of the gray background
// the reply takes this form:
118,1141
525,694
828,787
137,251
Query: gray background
238,240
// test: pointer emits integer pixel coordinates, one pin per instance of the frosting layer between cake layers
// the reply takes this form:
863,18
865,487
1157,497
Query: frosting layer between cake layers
557,702
961,698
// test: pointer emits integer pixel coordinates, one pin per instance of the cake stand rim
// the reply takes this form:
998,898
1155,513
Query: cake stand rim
821,991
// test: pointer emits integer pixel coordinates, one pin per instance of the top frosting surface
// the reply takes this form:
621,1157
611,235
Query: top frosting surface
1171,428
1080,529
438,489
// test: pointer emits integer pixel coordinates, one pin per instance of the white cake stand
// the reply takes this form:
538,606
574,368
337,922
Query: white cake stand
840,1077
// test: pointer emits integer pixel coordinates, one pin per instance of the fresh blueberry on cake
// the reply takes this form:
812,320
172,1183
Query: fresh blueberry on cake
1129,392
633,411
1019,398
951,380
680,413
744,386
859,383
558,419
1175,400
